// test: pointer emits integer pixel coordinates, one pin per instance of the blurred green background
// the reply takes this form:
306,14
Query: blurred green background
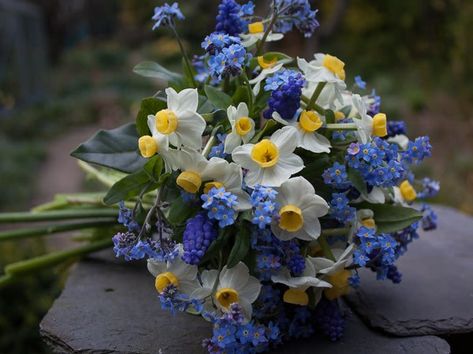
65,71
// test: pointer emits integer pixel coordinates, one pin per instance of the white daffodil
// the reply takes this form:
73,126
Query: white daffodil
176,272
297,292
401,140
271,161
267,70
300,210
334,272
405,193
306,125
235,285
157,144
376,196
192,165
180,122
256,33
243,127
220,173
367,125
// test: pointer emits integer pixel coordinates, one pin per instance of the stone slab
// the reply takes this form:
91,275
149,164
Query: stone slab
436,292
108,307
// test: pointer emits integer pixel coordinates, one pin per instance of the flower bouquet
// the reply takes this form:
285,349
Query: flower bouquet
257,184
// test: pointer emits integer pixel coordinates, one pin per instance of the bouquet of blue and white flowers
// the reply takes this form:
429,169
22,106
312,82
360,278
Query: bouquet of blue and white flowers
257,184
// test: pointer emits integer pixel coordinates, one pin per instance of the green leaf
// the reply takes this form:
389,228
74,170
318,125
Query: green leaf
268,129
391,218
357,180
218,98
156,71
241,95
149,106
116,149
139,182
329,116
218,244
179,211
240,247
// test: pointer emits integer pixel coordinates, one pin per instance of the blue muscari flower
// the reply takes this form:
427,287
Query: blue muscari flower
429,220
263,201
200,232
336,176
125,217
393,274
296,13
220,206
229,19
340,208
418,150
165,15
286,100
430,188
269,300
329,319
301,325
359,82
354,280
396,127
219,149
295,262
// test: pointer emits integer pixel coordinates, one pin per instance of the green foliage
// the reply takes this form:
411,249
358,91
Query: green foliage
391,218
149,106
218,98
156,71
241,247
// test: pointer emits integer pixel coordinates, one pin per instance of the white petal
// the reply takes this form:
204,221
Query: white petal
247,308
291,163
243,200
182,270
186,100
209,277
315,143
242,156
232,141
235,278
188,287
254,177
295,189
311,227
277,117
156,268
242,110
232,115
251,289
286,140
190,128
152,124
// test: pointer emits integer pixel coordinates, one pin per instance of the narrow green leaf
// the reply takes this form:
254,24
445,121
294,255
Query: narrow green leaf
156,71
240,247
218,98
357,180
116,149
179,211
149,106
267,130
391,218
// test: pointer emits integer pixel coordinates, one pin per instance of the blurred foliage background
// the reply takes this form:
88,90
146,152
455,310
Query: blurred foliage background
65,65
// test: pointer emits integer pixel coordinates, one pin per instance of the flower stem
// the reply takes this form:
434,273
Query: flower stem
259,48
211,141
250,93
184,55
335,232
315,95
341,126
52,259
52,229
326,248
58,215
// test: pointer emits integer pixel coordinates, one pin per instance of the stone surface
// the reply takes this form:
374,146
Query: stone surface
436,292
108,307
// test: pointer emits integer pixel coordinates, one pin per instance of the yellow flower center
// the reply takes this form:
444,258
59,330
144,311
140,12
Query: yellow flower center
265,153
226,297
256,27
335,65
370,223
266,64
163,280
290,218
166,121
407,191
296,297
310,121
148,146
339,115
243,126
209,185
380,125
339,283
190,181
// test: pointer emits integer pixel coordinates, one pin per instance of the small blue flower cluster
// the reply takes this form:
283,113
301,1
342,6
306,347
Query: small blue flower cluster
375,103
430,188
287,97
429,220
270,255
173,300
329,319
340,208
377,162
219,149
296,13
231,17
269,301
263,200
301,324
221,206
166,14
396,127
344,135
417,150
336,176
128,246
200,232
126,218
383,247
232,335
294,260
360,83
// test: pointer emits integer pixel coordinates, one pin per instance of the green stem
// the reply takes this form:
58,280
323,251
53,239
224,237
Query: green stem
211,141
315,95
326,248
55,258
341,126
52,229
5,280
260,46
250,93
184,54
335,232
71,214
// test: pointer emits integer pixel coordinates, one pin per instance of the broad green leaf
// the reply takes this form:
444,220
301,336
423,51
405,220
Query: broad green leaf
116,149
240,247
179,211
217,245
154,70
346,110
218,98
149,106
189,73
139,182
240,95
357,180
205,106
391,218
